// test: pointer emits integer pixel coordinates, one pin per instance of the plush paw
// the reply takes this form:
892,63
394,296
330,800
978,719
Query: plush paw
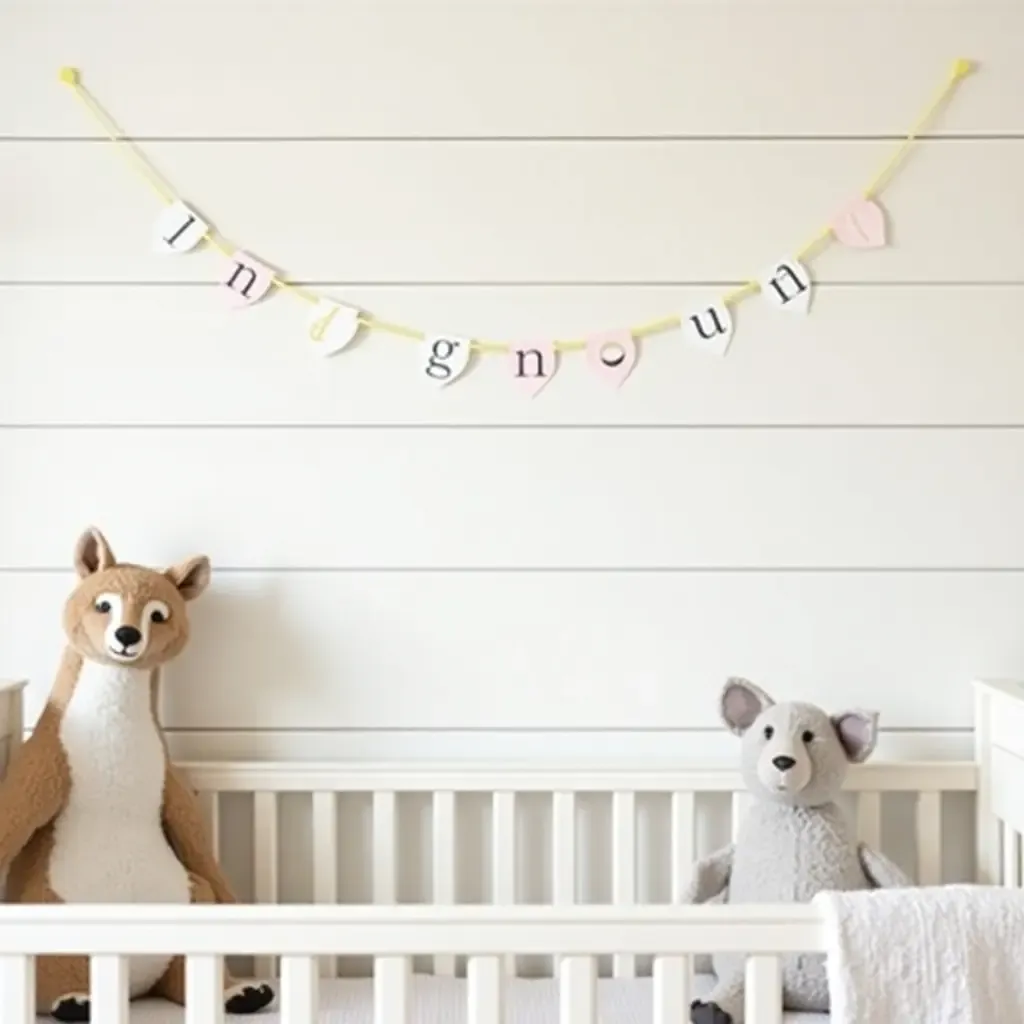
708,1013
72,1008
248,998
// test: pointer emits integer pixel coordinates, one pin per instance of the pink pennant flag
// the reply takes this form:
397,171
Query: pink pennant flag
612,355
247,280
533,364
860,224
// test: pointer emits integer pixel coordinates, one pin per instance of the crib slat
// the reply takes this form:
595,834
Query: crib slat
671,989
384,841
503,858
209,802
299,990
444,864
624,868
483,976
391,976
577,990
1011,857
18,978
204,990
869,819
108,984
740,803
325,862
265,864
563,852
683,841
929,838
764,990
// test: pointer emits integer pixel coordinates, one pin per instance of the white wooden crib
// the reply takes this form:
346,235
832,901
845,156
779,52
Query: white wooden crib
478,952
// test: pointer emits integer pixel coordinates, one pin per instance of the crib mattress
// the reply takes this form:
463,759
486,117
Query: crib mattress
442,1000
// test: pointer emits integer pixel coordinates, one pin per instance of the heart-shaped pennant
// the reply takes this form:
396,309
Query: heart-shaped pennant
860,224
710,328
787,286
246,279
332,325
443,358
612,355
533,364
178,229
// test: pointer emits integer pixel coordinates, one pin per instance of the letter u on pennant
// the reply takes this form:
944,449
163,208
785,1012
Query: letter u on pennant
247,280
710,328
532,365
612,355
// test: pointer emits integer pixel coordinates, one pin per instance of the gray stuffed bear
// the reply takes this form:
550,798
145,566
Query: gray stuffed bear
795,841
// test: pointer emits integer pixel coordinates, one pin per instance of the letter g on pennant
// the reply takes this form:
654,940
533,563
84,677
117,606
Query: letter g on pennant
443,358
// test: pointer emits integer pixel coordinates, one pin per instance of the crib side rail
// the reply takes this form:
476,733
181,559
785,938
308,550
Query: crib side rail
392,935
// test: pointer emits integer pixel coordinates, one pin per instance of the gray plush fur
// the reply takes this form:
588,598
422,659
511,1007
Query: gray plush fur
795,841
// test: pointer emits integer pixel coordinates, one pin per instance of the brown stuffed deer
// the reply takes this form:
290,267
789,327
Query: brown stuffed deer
91,809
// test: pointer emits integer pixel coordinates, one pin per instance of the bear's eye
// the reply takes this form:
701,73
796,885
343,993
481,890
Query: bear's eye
157,616
807,736
103,607
769,732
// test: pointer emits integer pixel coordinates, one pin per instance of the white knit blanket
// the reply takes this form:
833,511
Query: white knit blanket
943,955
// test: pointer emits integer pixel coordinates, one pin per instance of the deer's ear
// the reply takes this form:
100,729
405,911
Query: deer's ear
93,553
191,577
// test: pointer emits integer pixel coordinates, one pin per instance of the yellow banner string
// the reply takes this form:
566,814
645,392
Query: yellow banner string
141,165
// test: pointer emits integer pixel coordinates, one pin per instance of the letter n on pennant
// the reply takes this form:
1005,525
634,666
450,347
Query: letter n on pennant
532,365
787,285
246,280
710,328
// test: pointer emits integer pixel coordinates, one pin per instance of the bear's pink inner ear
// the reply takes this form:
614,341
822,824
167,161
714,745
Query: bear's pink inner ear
857,731
741,704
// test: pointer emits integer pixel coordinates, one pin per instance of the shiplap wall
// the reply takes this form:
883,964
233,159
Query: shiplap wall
834,510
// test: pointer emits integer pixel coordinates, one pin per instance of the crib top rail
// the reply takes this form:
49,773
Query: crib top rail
584,930
576,777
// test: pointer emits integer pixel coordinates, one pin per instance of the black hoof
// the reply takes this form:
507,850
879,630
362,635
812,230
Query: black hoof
71,1010
708,1013
249,999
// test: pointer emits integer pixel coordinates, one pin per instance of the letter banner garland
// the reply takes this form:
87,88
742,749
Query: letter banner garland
786,284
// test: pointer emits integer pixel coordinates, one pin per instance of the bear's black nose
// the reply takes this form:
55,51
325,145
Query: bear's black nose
127,636
783,763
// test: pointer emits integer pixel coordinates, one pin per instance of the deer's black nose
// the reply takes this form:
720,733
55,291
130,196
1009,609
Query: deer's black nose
783,763
127,636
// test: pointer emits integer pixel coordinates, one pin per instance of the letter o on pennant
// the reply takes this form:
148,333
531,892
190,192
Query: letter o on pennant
612,356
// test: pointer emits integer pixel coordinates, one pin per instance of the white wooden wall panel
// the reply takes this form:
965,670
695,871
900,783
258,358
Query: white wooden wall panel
439,651
651,211
920,355
637,68
572,498
506,169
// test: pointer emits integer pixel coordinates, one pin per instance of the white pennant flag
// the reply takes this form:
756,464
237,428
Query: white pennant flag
178,229
787,285
709,328
332,325
443,358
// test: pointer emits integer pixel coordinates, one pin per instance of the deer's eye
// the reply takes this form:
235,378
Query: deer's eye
103,607
807,736
157,616
769,732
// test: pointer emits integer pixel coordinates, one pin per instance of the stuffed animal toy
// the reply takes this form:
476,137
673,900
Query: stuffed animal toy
91,808
794,841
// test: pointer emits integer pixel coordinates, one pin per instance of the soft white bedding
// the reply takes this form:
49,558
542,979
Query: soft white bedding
442,1000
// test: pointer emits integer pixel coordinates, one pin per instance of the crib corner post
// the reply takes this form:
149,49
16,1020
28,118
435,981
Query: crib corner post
987,829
